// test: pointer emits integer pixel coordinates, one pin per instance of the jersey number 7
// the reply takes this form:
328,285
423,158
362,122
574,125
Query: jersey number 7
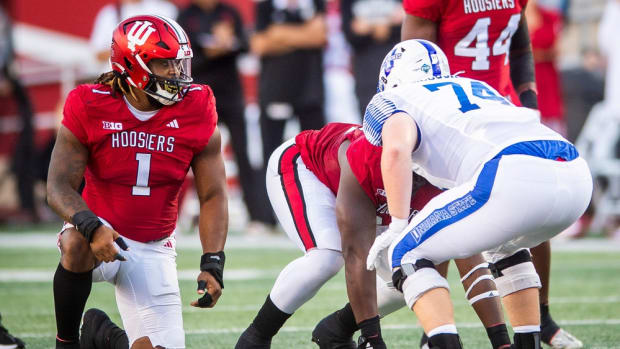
481,51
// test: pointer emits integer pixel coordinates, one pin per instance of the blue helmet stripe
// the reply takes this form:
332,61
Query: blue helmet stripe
431,51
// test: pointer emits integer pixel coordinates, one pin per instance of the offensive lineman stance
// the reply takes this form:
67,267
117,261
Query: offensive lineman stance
133,136
325,184
489,41
512,183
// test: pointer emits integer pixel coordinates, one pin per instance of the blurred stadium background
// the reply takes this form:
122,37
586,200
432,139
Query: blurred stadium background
51,41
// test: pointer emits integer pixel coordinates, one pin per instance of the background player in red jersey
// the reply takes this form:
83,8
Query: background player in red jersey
327,191
133,136
489,41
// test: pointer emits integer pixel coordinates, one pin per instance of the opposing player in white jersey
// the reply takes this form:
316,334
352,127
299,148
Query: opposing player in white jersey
511,184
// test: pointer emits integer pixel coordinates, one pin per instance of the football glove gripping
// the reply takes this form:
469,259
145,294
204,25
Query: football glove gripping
213,263
384,241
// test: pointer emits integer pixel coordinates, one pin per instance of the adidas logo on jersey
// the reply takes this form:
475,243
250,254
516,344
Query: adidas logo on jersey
168,244
173,124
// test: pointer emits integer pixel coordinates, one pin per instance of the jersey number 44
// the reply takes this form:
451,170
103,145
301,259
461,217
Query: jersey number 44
481,51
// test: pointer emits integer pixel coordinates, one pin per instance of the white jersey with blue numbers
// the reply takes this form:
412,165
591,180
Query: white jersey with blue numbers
462,123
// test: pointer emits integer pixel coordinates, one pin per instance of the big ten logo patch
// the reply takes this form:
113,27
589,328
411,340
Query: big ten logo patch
117,126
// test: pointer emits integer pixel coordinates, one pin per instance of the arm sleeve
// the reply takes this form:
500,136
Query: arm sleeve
427,9
521,63
74,114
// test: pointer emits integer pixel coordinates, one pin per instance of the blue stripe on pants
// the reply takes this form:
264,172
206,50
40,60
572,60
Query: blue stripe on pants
450,213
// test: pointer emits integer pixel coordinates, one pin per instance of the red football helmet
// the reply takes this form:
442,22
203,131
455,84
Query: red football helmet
140,42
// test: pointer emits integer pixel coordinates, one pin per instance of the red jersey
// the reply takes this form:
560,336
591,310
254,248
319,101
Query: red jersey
135,168
475,36
319,151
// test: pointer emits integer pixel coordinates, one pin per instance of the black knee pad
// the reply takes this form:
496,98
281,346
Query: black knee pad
522,256
400,275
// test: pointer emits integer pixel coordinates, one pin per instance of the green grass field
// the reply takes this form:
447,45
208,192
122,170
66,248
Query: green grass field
585,299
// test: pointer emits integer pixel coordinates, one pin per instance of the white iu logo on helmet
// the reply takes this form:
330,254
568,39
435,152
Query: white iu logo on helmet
138,34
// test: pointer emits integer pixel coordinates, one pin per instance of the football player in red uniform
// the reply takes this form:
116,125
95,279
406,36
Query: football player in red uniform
133,136
327,191
488,40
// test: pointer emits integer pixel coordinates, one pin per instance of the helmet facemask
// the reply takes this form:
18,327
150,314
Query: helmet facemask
169,79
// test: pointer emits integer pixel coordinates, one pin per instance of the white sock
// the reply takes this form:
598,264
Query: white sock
451,328
526,329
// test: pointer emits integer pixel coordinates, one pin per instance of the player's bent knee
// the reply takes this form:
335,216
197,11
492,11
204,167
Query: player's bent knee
416,279
515,273
482,286
76,253
326,262
143,343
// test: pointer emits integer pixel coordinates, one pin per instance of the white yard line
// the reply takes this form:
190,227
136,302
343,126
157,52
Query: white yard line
35,275
223,308
402,327
191,241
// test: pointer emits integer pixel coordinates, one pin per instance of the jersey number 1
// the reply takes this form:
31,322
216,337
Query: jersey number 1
142,179
480,33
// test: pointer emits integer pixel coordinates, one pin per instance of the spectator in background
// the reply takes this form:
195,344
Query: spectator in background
217,36
582,87
545,26
608,43
112,14
340,100
289,39
23,164
372,27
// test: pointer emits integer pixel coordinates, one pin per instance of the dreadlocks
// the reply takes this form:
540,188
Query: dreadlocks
116,81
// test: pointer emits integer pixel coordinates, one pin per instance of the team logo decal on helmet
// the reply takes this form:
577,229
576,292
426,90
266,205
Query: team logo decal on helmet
138,34
411,61
153,54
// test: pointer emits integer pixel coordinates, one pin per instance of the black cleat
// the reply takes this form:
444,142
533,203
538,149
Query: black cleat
424,341
8,341
328,334
251,339
91,324
98,331
554,336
